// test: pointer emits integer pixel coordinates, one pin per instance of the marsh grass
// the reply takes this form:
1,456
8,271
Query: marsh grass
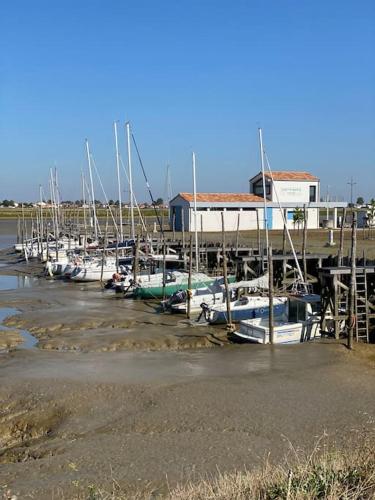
326,472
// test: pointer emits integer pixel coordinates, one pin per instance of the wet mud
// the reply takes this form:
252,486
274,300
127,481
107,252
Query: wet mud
117,391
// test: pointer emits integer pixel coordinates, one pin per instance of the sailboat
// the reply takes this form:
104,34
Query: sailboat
301,320
212,296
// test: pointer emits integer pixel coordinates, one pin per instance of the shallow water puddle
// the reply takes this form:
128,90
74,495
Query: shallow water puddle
29,341
13,282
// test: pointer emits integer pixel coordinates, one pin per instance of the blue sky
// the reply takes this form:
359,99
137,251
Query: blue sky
189,75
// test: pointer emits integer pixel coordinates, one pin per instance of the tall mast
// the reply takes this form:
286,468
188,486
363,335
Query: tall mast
118,180
195,216
54,206
130,181
169,184
264,186
84,209
41,216
57,198
92,188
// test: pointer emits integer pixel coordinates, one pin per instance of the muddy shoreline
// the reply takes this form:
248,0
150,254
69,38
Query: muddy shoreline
117,391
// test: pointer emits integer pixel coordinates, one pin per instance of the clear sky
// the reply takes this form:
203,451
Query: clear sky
189,75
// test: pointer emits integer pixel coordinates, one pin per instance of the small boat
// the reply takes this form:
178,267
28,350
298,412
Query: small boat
152,286
98,270
301,324
210,295
246,307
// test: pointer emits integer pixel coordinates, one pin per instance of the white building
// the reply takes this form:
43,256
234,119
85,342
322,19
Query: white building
291,189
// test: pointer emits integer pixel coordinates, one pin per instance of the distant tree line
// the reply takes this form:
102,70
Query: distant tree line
77,203
361,201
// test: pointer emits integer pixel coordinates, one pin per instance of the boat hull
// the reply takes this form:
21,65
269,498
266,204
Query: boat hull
157,292
248,311
283,332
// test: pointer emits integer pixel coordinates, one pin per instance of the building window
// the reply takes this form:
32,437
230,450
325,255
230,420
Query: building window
313,193
258,188
290,214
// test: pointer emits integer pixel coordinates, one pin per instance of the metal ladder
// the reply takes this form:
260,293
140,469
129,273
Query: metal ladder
361,309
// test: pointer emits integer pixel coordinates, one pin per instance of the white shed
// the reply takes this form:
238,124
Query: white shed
290,189
242,208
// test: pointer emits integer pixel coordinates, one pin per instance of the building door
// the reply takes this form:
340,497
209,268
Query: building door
177,218
269,218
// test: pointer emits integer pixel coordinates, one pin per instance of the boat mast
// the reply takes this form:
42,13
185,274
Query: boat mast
264,186
118,180
84,210
58,200
92,188
54,204
301,277
41,218
130,181
195,216
169,184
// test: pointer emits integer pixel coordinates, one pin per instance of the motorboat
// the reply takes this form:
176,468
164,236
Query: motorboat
301,324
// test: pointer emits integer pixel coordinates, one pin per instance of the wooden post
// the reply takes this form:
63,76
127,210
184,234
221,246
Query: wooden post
341,246
352,289
304,241
47,245
136,259
117,258
270,295
284,231
201,236
237,240
238,233
104,247
183,231
18,229
188,309
284,244
225,273
164,268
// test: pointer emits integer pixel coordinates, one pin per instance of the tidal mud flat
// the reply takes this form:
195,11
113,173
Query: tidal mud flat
114,390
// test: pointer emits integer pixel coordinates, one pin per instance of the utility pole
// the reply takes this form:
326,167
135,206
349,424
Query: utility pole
351,184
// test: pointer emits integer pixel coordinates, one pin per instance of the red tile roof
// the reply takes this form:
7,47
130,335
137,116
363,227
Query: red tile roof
289,175
222,197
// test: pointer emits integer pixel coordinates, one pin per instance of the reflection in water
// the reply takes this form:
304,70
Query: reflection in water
29,341
13,282
7,240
